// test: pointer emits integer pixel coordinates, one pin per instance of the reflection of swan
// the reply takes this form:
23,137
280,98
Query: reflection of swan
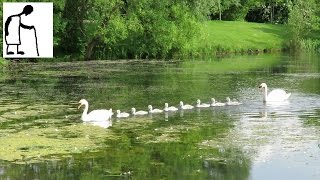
171,108
263,114
275,95
187,106
232,103
214,103
154,110
134,112
103,124
122,114
95,115
203,105
181,112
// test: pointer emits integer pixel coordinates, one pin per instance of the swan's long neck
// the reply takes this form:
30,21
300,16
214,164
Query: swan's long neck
85,112
265,94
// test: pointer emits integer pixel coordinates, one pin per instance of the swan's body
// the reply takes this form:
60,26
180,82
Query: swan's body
274,95
122,114
186,106
215,103
154,110
95,115
203,105
232,103
134,112
171,108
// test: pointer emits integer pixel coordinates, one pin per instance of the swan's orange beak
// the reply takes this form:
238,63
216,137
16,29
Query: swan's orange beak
79,106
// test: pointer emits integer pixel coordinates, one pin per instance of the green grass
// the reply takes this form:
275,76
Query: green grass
236,36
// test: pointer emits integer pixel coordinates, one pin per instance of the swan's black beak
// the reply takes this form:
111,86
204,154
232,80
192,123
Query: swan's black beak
79,106
260,87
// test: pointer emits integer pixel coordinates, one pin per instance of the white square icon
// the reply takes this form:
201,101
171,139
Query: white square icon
27,30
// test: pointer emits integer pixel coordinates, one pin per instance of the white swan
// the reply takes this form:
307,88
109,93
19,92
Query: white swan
154,110
122,114
232,103
203,105
186,106
171,108
215,103
95,115
134,112
274,95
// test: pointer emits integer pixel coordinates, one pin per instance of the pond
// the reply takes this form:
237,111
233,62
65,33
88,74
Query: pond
43,137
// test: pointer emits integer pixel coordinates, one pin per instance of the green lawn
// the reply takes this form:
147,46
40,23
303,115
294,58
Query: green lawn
235,36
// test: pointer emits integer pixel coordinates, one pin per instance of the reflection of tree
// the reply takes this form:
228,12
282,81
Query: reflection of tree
311,119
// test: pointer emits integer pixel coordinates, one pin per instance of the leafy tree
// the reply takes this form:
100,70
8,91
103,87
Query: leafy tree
219,7
269,11
302,21
74,14
140,28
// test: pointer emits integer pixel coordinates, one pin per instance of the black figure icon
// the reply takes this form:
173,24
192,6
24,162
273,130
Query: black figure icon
12,30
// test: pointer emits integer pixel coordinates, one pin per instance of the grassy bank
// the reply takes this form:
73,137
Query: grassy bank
222,37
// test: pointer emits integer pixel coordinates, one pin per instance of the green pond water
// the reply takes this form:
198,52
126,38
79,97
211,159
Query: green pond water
43,137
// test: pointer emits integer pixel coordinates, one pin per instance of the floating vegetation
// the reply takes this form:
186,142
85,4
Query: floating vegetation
34,144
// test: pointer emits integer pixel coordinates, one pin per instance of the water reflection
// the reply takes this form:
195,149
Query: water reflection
252,140
274,132
103,124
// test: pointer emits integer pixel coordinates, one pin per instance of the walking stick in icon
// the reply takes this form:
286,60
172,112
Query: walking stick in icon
35,35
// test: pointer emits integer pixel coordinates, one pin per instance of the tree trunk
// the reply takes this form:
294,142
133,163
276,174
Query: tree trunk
220,10
91,45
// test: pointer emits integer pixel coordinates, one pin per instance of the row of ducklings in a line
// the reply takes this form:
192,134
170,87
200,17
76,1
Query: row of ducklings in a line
182,106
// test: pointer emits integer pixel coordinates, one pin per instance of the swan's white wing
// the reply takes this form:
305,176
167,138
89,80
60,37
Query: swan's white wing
278,95
99,115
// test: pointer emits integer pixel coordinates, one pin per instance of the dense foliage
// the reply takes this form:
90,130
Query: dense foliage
113,29
129,29
304,24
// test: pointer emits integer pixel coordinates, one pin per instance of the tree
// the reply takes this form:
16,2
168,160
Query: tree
302,21
74,14
219,7
140,28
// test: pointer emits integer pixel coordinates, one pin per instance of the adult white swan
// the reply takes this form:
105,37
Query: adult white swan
95,115
274,95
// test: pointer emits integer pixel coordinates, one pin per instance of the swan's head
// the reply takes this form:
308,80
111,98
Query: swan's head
133,110
83,102
213,100
228,99
149,107
110,110
263,86
198,101
118,111
166,105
